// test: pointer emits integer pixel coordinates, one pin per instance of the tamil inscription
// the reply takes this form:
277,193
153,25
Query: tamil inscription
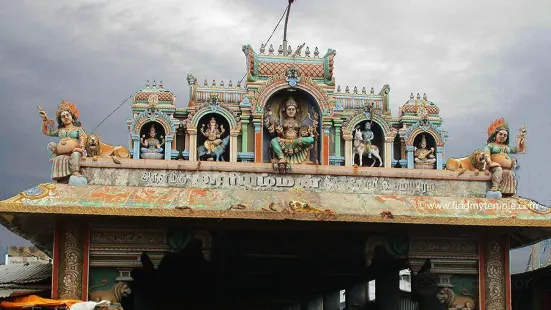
276,182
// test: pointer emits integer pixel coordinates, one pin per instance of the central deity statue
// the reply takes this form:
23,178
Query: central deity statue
213,134
423,154
151,144
293,139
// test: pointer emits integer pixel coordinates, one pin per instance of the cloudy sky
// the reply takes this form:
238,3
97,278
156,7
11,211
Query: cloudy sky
478,60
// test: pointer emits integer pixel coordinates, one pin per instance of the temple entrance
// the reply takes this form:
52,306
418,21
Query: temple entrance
306,118
378,141
213,138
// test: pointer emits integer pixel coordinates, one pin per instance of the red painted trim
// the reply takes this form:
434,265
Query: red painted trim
85,262
506,248
325,153
481,272
56,260
258,147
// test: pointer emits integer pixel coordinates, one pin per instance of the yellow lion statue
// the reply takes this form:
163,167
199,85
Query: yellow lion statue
114,295
476,162
95,148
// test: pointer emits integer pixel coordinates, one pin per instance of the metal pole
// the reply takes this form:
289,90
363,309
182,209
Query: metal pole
285,29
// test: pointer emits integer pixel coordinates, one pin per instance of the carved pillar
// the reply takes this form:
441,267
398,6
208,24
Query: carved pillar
326,125
136,146
168,146
348,152
402,148
338,124
192,143
495,281
410,152
70,269
356,296
389,141
332,301
439,158
257,123
233,145
387,287
244,134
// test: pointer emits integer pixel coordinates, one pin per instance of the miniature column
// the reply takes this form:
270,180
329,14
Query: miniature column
410,150
244,134
136,146
337,153
233,145
348,152
168,146
70,269
389,141
326,125
257,123
494,275
439,157
192,143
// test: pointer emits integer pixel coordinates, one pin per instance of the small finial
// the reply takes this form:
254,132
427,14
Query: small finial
338,89
307,52
230,84
347,90
355,89
363,90
289,50
222,84
160,84
262,48
271,49
418,96
372,91
239,84
205,83
425,96
154,84
147,84
298,50
213,83
316,52
411,96
280,50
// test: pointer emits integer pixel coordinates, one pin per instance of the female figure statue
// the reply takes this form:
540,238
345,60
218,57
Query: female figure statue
293,139
424,155
68,152
497,152
151,144
213,134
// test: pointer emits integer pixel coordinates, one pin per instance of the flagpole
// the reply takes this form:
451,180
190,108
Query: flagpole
285,29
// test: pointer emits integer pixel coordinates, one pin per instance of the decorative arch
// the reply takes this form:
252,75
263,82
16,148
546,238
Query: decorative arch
376,118
417,129
144,117
194,122
278,83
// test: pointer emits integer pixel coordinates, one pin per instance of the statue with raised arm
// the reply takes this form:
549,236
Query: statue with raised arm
293,140
212,134
67,153
497,154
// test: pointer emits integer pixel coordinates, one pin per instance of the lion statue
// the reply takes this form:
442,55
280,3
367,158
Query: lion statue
448,298
95,148
475,162
113,295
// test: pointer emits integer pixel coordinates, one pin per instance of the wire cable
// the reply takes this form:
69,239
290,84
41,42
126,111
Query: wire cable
120,105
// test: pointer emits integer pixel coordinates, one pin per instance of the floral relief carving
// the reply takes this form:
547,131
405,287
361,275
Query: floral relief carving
70,284
495,276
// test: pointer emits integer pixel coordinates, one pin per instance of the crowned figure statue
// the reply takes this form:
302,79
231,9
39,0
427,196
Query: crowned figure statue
293,139
497,153
212,134
151,144
423,154
67,153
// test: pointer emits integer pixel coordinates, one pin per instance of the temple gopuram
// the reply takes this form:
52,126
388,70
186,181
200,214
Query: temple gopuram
277,192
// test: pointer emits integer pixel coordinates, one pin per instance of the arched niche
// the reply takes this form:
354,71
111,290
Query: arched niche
309,115
378,140
229,118
163,123
203,124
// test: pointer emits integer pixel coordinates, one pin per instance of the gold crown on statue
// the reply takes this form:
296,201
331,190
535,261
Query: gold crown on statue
67,106
291,102
498,123
212,121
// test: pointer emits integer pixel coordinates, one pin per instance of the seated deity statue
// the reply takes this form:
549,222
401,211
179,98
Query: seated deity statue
424,155
293,140
67,153
151,144
212,134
